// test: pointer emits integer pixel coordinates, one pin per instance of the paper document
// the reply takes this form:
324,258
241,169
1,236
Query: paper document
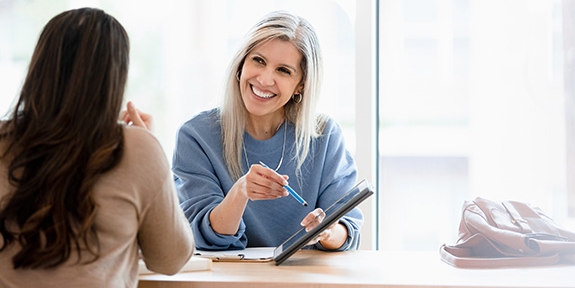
254,254
194,264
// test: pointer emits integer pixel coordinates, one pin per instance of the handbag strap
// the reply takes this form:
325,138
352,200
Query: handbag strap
516,217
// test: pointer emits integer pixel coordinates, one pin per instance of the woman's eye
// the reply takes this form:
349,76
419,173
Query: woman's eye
259,60
285,70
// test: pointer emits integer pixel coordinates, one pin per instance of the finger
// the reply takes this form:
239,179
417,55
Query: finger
313,219
317,238
269,180
135,116
280,180
312,241
123,116
147,118
259,186
324,236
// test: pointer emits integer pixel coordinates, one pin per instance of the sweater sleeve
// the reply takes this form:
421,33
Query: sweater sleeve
339,175
199,173
164,237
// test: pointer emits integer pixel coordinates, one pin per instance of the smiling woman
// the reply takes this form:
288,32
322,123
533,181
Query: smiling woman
268,80
273,79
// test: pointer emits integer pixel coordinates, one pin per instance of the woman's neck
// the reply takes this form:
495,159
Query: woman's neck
263,128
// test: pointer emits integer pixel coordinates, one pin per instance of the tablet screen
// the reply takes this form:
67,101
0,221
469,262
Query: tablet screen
333,213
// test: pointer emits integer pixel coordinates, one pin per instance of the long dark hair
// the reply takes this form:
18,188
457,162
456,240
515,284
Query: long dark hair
62,135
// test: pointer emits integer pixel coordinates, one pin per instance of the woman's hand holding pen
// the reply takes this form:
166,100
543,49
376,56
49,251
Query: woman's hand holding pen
133,116
258,184
261,183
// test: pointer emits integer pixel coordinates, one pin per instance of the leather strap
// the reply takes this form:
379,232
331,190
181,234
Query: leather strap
516,217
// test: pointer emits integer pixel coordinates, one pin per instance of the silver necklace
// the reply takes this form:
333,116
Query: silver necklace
283,149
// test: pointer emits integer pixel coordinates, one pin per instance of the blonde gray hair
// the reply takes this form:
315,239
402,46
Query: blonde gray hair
287,27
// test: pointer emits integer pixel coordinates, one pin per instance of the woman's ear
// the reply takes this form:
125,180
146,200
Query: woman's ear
299,89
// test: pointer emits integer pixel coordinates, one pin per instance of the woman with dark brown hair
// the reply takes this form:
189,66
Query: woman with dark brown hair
80,193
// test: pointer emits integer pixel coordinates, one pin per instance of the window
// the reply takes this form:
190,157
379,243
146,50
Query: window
472,103
180,51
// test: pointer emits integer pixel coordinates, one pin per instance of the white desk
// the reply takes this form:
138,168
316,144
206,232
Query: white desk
364,269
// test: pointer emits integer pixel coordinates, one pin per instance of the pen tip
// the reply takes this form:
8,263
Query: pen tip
304,204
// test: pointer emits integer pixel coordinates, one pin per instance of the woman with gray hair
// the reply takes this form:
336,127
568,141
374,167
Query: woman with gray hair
268,116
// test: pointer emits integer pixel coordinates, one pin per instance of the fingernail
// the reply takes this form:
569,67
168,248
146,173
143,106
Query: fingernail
130,104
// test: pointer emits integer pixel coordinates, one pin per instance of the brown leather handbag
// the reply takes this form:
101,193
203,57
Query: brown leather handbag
508,234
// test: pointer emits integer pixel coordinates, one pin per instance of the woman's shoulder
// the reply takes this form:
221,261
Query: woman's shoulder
143,155
211,115
326,124
203,122
140,139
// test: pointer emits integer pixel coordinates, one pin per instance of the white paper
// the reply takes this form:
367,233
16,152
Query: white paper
252,253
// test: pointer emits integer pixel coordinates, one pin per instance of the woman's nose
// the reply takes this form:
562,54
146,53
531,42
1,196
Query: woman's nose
266,77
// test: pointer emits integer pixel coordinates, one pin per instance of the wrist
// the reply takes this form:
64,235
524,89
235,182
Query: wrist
337,238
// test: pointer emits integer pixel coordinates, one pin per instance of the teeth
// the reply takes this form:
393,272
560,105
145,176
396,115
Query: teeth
261,93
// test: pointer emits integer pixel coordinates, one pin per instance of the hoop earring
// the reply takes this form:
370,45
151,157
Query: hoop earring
297,98
238,74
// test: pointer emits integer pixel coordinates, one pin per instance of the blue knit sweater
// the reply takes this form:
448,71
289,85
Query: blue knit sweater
203,181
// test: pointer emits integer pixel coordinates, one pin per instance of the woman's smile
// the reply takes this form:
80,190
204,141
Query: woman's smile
262,93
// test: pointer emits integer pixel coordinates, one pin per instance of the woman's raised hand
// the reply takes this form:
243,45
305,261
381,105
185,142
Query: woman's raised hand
133,116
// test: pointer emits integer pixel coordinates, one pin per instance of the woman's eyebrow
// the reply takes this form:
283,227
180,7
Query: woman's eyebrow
282,64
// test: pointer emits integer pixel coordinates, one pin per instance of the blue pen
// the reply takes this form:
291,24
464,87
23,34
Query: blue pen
290,190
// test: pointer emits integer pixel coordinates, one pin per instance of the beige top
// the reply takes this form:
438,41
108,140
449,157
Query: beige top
137,204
